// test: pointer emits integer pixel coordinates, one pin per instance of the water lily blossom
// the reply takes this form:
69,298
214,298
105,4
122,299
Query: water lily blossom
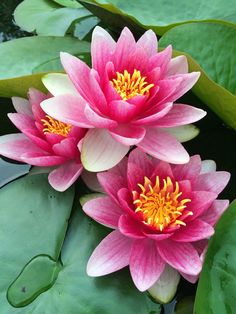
127,98
44,141
162,215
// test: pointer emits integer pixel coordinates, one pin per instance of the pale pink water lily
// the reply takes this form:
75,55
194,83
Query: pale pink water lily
162,215
44,141
127,98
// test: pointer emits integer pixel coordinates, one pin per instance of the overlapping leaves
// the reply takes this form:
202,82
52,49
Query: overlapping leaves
48,17
161,15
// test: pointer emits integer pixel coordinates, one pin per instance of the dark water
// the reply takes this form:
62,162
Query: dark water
8,29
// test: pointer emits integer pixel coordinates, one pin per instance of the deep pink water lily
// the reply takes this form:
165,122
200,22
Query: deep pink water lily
44,141
162,214
127,98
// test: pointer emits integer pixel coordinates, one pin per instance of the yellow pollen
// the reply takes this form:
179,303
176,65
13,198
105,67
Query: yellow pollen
128,86
56,127
160,205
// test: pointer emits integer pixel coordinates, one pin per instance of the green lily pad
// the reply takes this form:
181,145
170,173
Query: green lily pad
161,15
211,49
10,171
25,56
34,219
217,285
25,288
68,3
73,291
48,18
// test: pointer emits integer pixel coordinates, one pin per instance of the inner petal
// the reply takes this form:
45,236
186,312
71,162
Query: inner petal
130,85
54,126
161,205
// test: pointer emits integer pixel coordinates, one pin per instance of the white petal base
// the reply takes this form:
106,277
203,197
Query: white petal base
165,288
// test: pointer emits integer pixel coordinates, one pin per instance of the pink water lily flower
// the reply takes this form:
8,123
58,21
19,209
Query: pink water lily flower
44,141
162,215
127,98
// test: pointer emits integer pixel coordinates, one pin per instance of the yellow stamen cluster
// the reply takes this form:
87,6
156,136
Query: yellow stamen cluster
56,127
128,85
159,205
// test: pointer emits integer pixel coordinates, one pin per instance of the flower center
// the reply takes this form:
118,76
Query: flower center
56,127
160,206
128,86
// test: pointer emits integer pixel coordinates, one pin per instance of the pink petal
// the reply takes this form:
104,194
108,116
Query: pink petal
181,256
111,183
141,160
110,255
35,98
97,120
64,176
200,202
108,90
91,180
180,115
146,265
103,156
124,47
126,202
68,109
188,81
22,121
66,148
158,236
15,145
53,138
96,97
102,47
189,171
185,187
121,168
135,176
88,86
162,170
136,59
128,134
121,110
77,133
167,88
177,65
130,228
22,106
78,72
148,42
37,159
161,60
163,146
152,117
190,278
213,182
193,231
212,215
35,137
104,210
